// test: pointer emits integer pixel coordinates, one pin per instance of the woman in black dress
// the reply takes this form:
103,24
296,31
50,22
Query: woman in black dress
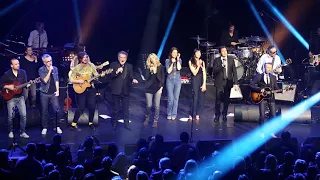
198,81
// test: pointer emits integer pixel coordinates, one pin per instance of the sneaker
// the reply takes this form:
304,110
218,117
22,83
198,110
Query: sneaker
44,131
11,135
24,135
59,131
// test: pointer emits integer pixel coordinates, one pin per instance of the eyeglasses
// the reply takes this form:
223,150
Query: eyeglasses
47,61
273,52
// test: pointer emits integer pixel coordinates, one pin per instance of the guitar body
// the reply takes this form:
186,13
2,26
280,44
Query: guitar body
257,97
80,88
9,94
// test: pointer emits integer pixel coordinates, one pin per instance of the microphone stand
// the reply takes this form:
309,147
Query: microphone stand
14,144
57,110
275,22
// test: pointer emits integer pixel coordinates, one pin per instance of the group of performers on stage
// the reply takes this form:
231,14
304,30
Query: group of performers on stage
83,71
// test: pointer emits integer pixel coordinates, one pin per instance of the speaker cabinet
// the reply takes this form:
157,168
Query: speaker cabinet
246,113
84,117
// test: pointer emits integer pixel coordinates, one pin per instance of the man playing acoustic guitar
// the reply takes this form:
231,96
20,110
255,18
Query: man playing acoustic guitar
259,84
84,69
12,76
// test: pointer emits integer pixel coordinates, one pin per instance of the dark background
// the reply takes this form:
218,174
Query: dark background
120,24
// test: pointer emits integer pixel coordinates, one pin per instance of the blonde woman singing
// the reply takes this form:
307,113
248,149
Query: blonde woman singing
154,85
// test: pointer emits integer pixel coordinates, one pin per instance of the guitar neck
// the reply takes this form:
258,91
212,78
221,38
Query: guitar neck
23,85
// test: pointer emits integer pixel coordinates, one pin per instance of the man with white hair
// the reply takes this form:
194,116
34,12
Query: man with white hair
49,92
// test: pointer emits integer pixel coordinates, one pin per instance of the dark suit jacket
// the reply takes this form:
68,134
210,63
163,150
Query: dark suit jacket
218,71
160,77
258,83
120,84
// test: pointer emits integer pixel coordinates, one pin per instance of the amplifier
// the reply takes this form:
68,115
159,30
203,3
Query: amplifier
286,95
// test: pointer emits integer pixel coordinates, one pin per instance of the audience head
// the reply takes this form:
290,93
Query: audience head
141,175
158,138
300,166
270,162
89,176
164,163
143,153
184,137
243,177
88,143
31,149
56,139
192,154
289,158
116,178
120,163
112,150
190,176
317,158
312,172
132,172
78,172
61,159
4,159
54,175
285,135
239,163
168,174
217,175
190,166
141,143
98,152
47,169
298,176
106,163
262,158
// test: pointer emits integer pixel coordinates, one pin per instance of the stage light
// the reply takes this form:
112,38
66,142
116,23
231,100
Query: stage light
165,37
287,24
248,143
264,28
11,7
77,16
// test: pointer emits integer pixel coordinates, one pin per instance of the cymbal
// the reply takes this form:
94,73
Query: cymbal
243,40
257,39
197,38
207,44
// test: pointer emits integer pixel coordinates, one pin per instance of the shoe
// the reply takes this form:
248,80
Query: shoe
173,118
155,124
224,118
44,131
169,118
127,126
24,135
197,117
59,131
92,127
216,118
75,128
11,135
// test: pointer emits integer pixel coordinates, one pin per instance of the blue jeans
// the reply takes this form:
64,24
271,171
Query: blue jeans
45,99
21,105
173,88
149,98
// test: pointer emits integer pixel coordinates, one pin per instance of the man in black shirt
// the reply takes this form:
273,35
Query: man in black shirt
49,89
229,38
15,74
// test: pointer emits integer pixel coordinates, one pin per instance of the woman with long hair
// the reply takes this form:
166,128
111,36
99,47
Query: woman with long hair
198,81
173,67
154,85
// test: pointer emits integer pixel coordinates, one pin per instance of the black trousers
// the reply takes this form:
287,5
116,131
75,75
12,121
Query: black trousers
223,95
117,99
197,99
262,109
88,96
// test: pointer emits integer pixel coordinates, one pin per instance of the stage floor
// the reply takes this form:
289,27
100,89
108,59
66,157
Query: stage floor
205,130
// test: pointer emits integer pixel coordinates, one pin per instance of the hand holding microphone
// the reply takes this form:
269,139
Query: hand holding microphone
119,70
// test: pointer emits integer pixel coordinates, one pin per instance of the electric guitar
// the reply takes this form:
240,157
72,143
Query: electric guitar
80,88
8,94
257,97
288,61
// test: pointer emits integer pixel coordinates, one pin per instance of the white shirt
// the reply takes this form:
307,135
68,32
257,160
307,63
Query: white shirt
266,78
266,58
225,64
33,39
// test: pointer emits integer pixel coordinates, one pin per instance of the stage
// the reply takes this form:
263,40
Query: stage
205,130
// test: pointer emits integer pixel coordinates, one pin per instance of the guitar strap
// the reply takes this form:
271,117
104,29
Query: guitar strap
273,59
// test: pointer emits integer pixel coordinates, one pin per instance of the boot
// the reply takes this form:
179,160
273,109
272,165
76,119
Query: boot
146,120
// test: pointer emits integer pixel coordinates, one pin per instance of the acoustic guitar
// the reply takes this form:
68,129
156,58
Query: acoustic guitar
257,97
9,94
80,88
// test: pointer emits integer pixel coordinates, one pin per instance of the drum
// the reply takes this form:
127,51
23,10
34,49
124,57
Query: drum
239,68
213,54
244,52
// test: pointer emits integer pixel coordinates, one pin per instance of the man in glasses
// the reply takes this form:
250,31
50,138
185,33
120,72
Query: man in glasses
272,58
49,93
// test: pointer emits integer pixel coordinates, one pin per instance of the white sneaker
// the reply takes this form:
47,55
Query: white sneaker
24,135
11,135
59,131
44,131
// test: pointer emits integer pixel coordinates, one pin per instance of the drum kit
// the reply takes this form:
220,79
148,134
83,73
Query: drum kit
246,54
